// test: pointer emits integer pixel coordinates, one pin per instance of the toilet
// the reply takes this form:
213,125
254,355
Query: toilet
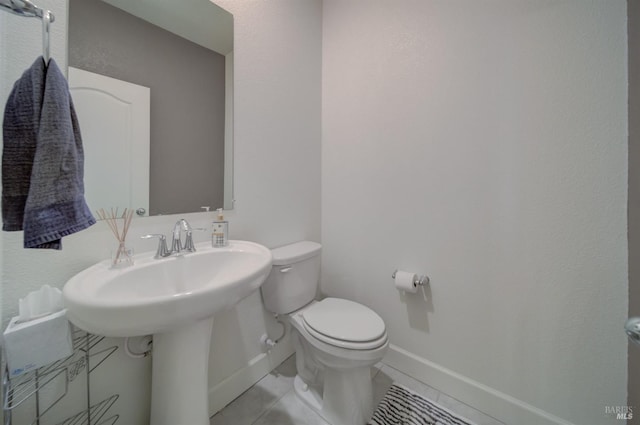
336,340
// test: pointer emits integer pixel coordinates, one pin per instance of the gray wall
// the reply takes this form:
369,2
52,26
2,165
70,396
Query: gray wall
633,15
187,99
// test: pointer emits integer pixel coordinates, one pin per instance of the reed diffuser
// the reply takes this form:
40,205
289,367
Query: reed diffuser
123,256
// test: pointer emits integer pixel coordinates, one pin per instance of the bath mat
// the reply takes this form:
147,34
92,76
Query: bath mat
401,406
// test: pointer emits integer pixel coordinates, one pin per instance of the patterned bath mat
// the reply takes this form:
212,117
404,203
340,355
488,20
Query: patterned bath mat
401,406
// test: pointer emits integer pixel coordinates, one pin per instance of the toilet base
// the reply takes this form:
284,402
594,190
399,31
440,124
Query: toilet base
347,396
308,395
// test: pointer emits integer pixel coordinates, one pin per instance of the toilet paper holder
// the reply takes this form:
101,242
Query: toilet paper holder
420,280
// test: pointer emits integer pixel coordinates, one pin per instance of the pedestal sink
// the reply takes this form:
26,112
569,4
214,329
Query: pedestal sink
174,299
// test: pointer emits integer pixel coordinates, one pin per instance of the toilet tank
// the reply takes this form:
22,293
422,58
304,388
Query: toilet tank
294,276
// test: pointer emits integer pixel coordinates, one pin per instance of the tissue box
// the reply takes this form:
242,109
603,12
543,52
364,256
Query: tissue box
36,343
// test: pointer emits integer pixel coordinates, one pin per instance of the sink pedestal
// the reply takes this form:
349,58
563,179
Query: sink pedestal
180,375
169,298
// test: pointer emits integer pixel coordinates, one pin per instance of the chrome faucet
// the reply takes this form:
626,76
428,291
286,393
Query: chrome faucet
162,250
176,242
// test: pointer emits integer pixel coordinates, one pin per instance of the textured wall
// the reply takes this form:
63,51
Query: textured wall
20,44
277,176
485,144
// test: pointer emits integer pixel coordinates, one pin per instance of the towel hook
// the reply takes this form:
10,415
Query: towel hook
27,9
46,25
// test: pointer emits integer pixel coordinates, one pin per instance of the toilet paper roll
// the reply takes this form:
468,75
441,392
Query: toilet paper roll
405,281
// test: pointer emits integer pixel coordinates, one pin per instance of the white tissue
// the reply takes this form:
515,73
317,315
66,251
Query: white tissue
405,281
40,303
36,343
40,334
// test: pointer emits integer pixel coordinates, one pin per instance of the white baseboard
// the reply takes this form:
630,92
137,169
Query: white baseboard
501,406
226,391
497,404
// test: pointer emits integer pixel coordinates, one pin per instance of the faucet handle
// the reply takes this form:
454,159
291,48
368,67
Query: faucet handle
188,243
162,250
176,245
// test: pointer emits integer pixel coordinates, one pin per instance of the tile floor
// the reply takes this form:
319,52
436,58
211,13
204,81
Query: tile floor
272,400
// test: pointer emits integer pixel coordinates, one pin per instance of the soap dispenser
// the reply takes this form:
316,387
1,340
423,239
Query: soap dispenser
220,231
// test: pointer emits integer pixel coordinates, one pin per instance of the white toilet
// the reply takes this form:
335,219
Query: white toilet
336,340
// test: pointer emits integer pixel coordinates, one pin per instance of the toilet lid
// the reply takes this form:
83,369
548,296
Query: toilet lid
344,320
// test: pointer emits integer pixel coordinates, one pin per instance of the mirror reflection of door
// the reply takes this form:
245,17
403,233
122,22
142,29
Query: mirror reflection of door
175,49
114,120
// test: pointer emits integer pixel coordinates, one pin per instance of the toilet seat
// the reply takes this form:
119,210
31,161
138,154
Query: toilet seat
346,324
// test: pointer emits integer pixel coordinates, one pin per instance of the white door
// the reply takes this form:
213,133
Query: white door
114,118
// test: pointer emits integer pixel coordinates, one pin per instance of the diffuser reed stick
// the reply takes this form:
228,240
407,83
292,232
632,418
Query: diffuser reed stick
122,255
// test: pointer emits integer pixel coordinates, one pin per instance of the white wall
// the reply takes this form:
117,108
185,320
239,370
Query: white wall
277,173
485,144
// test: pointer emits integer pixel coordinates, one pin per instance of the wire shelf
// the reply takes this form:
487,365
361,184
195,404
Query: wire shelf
95,413
19,389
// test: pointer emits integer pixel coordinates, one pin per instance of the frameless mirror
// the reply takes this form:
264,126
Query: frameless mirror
181,54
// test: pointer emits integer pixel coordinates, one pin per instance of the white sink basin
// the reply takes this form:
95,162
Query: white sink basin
174,299
157,295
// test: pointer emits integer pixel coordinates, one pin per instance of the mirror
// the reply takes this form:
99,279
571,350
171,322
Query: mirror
182,52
